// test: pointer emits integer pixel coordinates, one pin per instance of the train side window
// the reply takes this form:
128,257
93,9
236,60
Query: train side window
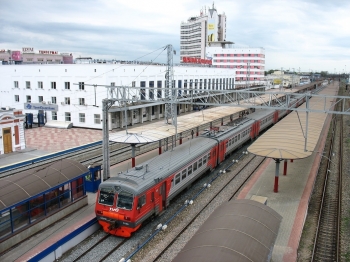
235,139
194,166
239,136
142,201
200,163
189,170
204,160
177,179
208,156
184,173
226,144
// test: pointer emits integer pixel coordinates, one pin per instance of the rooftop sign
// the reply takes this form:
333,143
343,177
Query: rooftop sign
45,52
27,49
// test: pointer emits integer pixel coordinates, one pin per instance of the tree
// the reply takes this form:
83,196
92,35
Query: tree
324,73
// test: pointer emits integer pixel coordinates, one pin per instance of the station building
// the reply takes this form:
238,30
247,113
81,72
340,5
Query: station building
74,92
11,130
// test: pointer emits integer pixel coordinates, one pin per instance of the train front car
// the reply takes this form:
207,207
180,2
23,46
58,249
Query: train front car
115,207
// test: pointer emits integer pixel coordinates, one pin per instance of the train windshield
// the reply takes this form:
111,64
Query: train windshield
106,196
125,200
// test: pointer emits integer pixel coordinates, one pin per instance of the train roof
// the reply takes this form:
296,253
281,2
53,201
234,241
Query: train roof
238,230
140,178
241,124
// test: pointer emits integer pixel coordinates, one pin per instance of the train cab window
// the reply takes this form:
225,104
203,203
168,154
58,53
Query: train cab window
204,160
177,179
200,163
184,173
106,196
189,170
142,201
125,200
194,166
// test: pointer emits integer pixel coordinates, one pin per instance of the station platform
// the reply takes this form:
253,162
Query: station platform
291,201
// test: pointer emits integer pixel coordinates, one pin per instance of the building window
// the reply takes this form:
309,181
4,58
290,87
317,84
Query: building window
151,90
82,117
67,85
40,99
54,115
53,85
29,99
97,118
40,85
143,91
159,90
82,101
16,98
81,86
133,84
53,100
15,84
67,116
67,100
27,84
112,83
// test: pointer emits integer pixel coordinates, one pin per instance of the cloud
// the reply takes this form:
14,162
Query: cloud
301,33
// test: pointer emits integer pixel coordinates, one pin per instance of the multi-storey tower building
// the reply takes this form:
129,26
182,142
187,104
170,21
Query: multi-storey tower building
204,37
199,31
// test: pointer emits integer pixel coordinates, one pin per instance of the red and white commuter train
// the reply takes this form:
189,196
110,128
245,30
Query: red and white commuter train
126,201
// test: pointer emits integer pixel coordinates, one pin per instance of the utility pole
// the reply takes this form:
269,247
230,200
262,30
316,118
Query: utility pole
170,92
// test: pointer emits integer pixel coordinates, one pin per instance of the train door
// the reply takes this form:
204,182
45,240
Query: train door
162,193
7,140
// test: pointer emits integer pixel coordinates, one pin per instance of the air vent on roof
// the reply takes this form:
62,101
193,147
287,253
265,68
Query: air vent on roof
138,167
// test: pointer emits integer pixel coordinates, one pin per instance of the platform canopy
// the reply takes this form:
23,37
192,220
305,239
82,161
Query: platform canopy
286,139
32,182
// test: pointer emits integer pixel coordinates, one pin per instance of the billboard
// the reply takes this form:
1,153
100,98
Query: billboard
39,106
16,56
212,30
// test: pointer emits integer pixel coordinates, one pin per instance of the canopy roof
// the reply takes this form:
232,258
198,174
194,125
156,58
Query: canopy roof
24,185
286,139
238,230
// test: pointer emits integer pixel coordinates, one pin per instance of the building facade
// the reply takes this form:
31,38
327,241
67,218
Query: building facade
77,90
248,63
29,55
199,31
203,39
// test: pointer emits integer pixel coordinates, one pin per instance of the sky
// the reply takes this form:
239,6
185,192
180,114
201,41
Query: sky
307,35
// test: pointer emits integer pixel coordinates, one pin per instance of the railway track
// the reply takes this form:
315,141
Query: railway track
108,243
327,237
232,183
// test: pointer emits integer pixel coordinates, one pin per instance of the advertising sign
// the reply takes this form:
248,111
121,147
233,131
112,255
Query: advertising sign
39,106
212,30
16,56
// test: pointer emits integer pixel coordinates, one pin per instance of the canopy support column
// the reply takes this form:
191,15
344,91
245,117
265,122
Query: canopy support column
133,154
275,188
285,167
